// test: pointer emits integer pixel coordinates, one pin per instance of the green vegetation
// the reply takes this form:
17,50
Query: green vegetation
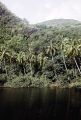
41,55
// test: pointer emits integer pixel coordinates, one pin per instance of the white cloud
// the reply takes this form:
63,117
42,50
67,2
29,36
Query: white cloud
48,5
41,10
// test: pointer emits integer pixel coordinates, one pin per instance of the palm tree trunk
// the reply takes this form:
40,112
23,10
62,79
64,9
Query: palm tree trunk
62,53
77,65
65,63
5,66
51,49
52,58
31,68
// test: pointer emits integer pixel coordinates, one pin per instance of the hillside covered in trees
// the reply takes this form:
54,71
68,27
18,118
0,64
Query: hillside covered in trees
44,54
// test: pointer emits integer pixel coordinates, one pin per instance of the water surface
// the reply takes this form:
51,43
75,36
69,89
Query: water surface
40,104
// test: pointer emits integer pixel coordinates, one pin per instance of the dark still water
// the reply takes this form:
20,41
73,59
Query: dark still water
40,104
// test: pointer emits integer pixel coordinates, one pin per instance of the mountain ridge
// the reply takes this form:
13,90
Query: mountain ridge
60,22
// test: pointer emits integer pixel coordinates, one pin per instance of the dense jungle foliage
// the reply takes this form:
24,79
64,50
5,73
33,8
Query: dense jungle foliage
40,55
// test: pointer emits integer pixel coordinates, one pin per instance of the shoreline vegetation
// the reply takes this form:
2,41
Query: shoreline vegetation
42,55
40,83
50,85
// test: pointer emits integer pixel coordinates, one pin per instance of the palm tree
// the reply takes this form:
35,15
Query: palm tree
32,58
51,50
63,56
3,54
21,58
5,51
42,59
73,53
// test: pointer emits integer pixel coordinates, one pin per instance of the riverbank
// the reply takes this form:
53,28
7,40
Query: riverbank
41,84
13,81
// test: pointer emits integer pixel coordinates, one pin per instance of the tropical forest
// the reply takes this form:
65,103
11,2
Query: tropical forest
46,54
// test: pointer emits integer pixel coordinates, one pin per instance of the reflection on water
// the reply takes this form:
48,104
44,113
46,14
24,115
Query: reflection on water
40,104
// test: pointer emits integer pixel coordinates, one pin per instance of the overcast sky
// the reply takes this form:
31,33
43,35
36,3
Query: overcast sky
40,10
